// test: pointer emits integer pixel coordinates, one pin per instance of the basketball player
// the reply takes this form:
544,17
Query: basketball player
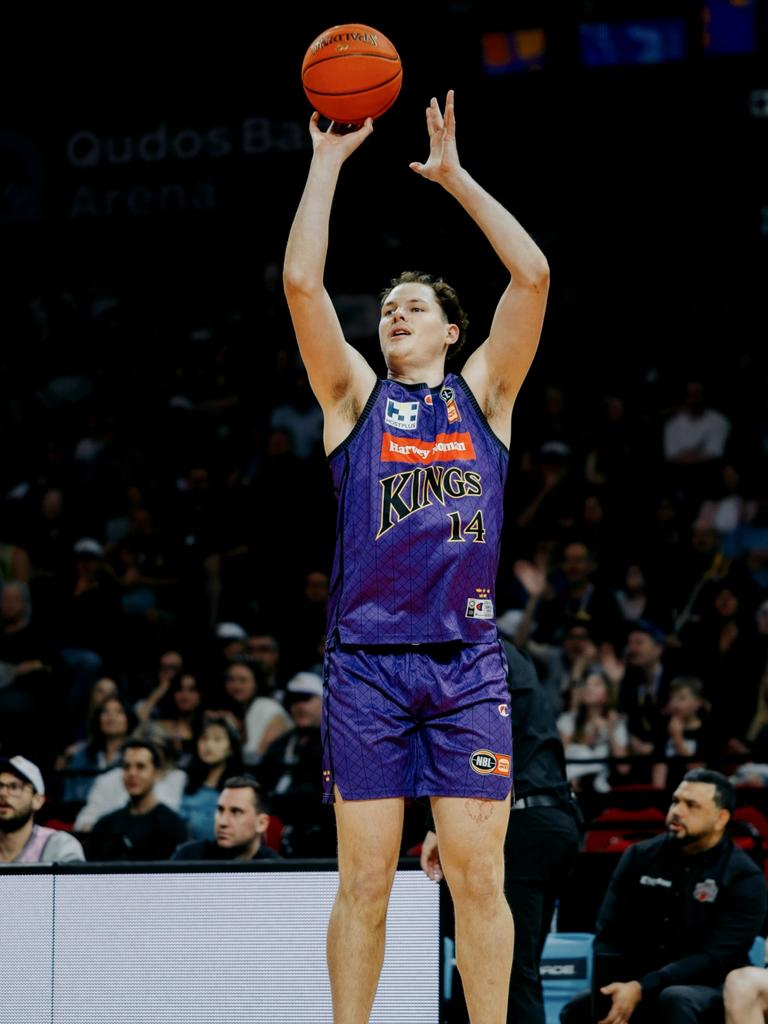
415,692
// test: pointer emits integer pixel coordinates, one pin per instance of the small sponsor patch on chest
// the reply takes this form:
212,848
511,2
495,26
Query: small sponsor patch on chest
404,415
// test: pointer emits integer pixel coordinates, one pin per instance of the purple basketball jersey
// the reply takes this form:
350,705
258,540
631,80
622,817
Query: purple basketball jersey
420,484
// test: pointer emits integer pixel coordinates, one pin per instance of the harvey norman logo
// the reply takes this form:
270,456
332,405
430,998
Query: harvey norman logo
445,448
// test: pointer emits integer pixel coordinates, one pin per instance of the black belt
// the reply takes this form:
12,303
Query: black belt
537,800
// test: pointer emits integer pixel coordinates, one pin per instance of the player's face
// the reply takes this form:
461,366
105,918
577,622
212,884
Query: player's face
693,814
413,325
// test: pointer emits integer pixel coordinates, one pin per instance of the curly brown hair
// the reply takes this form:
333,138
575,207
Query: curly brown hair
446,297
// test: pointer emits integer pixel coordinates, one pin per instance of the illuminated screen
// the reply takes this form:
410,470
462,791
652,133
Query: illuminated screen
651,41
191,947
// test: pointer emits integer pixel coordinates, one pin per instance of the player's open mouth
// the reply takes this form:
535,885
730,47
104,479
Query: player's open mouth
401,332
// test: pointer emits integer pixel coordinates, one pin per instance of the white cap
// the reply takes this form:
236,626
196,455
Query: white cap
230,631
88,546
25,770
308,683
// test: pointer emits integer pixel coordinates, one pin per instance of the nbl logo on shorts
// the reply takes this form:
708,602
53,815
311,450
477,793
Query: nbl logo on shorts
484,762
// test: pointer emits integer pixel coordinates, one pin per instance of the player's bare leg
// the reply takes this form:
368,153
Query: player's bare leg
369,834
746,996
471,836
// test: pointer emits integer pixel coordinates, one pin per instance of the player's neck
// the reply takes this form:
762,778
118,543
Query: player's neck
432,375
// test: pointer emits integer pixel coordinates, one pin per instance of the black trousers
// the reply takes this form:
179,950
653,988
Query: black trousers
540,849
678,1004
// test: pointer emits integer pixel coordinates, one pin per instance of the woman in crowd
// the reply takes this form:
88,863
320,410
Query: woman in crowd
263,718
217,757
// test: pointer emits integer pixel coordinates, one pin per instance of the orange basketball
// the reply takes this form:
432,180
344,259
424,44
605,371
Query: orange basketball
351,72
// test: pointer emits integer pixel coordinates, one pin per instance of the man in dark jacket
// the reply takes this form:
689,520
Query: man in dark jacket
241,824
681,911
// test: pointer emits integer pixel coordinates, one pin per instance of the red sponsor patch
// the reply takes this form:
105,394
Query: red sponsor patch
445,448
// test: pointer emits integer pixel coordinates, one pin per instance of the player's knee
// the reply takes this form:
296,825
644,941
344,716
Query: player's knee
740,991
478,879
367,886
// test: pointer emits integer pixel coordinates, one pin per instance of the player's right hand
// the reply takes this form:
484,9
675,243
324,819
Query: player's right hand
430,858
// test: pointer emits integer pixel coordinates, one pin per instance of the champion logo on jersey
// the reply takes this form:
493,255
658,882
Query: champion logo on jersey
404,415
479,608
448,396
504,710
427,399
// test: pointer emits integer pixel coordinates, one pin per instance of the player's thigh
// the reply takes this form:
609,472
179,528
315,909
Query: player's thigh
369,835
470,835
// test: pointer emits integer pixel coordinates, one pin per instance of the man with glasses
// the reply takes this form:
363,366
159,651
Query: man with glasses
22,793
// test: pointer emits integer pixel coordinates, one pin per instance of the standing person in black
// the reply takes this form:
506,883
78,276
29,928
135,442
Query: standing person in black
682,910
542,839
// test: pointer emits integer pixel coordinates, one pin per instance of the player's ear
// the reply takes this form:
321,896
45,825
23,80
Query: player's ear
453,333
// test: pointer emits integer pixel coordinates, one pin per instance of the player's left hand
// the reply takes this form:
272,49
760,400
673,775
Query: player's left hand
625,996
443,160
430,858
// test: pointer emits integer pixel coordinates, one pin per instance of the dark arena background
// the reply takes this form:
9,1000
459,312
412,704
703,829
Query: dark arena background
154,405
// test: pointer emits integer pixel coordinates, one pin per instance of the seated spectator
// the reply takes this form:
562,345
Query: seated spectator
230,637
681,911
218,755
575,592
689,741
263,718
101,689
263,648
754,770
29,695
145,829
291,773
87,622
726,511
637,599
241,822
22,792
746,996
109,793
593,729
109,728
180,712
169,666
644,690
694,443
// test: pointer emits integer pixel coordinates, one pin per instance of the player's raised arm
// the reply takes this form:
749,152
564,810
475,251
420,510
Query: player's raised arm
498,367
337,372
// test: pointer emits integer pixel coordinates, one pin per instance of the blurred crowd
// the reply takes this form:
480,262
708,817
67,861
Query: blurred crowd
166,532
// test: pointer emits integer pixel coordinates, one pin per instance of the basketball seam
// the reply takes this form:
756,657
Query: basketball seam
339,56
353,92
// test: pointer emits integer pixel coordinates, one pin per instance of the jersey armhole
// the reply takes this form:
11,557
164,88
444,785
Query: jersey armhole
360,421
480,414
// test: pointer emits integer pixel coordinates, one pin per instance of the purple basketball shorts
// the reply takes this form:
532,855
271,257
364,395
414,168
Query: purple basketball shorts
416,720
